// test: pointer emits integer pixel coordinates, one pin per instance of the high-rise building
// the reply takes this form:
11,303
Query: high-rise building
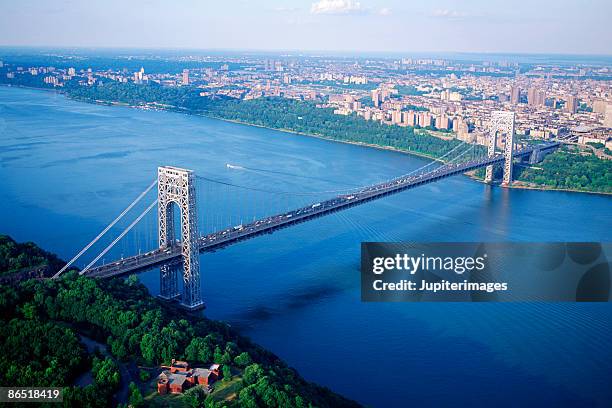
571,104
396,117
425,119
531,96
608,117
185,77
408,118
384,94
71,72
456,123
536,97
442,122
515,95
542,98
139,76
376,97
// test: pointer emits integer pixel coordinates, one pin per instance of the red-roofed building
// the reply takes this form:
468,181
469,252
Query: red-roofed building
180,377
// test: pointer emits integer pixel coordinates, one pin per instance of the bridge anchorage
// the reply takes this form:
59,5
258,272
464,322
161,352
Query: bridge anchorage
176,186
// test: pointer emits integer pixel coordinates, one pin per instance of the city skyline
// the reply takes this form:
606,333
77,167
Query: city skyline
367,26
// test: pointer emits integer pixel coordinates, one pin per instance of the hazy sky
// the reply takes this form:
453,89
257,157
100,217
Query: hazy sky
533,26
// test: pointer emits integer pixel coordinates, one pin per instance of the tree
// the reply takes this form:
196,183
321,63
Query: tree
218,355
106,372
147,348
135,398
144,375
227,373
243,359
252,374
248,397
195,397
132,280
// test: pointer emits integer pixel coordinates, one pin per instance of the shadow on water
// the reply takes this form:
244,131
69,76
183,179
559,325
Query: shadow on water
281,304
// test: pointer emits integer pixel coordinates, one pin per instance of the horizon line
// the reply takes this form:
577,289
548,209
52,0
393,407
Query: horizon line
277,51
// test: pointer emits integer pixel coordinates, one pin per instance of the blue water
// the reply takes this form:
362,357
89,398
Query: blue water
68,168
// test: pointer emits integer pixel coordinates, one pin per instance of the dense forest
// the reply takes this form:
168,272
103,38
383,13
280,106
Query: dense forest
572,170
42,322
17,256
276,113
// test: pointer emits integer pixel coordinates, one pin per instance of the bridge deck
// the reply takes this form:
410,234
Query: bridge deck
223,238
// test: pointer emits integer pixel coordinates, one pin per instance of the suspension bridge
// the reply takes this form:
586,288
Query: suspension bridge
176,187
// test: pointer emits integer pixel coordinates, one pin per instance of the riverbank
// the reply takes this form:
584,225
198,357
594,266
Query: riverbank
526,186
179,109
516,184
521,185
322,137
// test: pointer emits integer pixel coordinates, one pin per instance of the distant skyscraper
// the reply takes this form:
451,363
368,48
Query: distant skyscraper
536,97
425,119
608,118
71,71
396,117
531,96
185,77
139,76
376,97
408,118
571,104
515,95
442,122
542,98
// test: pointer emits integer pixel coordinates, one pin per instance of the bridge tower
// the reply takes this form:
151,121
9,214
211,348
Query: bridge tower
502,123
177,187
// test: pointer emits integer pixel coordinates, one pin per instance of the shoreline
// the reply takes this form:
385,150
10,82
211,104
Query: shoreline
321,137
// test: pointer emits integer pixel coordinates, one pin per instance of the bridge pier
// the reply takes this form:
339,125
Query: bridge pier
168,281
490,153
176,186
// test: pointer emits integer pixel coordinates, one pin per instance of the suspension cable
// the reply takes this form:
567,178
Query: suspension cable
308,193
125,231
105,230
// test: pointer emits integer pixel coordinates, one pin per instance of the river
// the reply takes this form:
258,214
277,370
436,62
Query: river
68,168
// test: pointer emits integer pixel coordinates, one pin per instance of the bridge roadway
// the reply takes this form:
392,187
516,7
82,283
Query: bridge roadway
232,235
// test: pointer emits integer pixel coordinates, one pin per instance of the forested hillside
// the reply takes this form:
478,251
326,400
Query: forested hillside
43,323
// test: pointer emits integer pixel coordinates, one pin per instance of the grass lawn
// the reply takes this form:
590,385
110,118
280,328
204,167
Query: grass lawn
227,390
